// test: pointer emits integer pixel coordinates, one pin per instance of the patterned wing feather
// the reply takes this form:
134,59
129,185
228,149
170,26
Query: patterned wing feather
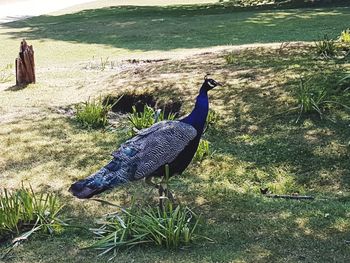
155,146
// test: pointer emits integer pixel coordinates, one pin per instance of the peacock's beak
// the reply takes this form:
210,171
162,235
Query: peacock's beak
219,84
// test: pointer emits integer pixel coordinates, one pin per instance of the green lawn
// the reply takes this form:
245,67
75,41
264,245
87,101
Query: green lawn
256,140
119,30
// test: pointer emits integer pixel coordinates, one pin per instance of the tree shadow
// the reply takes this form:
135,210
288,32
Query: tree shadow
165,28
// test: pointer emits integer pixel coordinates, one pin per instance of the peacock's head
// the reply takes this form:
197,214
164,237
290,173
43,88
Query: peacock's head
210,83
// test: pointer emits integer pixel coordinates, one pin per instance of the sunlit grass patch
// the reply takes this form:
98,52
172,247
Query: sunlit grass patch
52,151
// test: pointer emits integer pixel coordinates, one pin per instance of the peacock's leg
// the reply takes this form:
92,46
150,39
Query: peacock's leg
162,189
148,180
168,194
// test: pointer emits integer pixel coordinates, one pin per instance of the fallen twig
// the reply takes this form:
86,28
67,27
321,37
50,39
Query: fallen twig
297,197
265,192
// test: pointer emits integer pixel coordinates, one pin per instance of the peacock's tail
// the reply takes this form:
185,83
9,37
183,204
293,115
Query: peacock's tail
108,177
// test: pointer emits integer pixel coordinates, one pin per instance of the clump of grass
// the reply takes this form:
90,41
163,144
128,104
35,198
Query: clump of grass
103,63
212,119
345,36
145,119
310,98
203,151
316,93
326,47
93,113
23,209
230,58
5,73
170,227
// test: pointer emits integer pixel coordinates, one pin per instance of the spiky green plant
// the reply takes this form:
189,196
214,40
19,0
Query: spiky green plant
94,113
22,209
212,119
145,119
203,151
317,93
171,227
326,47
345,36
230,58
167,226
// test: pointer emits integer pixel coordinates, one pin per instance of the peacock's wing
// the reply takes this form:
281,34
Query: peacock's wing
138,157
154,147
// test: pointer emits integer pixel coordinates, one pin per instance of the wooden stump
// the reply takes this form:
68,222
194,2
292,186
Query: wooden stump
25,67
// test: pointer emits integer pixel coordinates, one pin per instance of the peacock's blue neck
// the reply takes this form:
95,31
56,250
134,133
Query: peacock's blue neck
198,116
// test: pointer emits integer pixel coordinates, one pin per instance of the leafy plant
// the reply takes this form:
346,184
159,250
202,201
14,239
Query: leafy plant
93,114
22,210
326,47
5,73
145,119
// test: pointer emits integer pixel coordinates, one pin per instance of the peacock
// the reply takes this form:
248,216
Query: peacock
171,143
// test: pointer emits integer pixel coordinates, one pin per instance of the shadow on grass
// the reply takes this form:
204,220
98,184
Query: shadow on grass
49,151
166,28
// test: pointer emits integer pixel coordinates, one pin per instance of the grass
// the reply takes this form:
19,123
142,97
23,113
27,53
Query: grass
172,227
24,212
326,47
6,74
255,146
112,31
94,114
345,36
253,149
146,118
23,209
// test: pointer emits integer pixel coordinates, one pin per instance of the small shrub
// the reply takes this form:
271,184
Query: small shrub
22,210
93,114
326,47
171,227
145,119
